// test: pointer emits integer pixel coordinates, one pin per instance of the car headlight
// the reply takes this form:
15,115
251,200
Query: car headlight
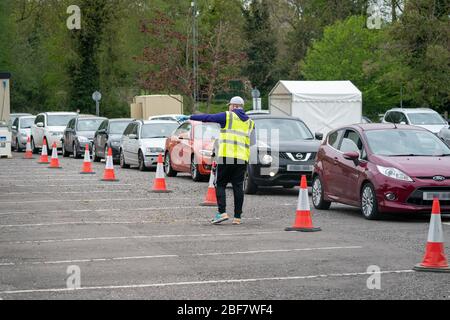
266,159
206,153
394,173
115,143
155,150
82,139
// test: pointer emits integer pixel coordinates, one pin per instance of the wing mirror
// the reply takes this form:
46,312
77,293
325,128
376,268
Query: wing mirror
354,156
319,136
132,136
14,127
40,124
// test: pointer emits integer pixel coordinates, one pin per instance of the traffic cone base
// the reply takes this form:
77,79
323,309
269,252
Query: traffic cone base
87,164
159,184
44,154
28,152
109,175
211,198
87,172
419,267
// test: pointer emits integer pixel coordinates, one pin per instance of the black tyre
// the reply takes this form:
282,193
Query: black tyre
18,148
141,161
65,153
75,153
369,202
250,187
318,195
195,173
95,158
170,172
123,165
33,147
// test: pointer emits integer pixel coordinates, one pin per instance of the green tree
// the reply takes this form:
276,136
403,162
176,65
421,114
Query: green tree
261,49
348,51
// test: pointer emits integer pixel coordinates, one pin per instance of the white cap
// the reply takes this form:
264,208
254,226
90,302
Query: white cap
237,100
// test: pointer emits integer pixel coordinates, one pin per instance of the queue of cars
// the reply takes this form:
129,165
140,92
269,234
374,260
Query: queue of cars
397,166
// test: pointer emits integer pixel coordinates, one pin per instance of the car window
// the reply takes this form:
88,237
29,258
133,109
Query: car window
103,125
352,143
135,128
25,123
59,120
286,129
207,131
334,138
128,129
88,124
426,118
16,123
157,130
183,129
39,119
388,117
402,118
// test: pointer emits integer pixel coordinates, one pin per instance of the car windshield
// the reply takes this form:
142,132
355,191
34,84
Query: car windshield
25,123
286,129
59,121
207,132
406,143
158,130
118,127
89,124
426,119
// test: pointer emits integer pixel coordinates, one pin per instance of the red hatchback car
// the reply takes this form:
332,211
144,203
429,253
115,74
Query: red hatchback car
190,149
382,168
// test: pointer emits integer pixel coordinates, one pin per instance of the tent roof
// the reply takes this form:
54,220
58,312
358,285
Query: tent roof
318,87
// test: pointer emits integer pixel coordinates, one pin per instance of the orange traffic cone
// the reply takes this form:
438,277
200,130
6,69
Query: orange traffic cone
87,164
303,221
28,151
54,163
109,174
44,155
159,185
434,259
211,199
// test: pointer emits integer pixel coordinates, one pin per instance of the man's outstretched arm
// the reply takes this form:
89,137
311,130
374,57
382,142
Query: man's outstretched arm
220,118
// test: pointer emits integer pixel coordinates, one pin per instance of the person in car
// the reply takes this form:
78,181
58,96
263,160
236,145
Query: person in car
236,136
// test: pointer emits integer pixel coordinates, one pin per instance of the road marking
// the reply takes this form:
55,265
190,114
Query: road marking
201,235
65,192
207,282
70,185
177,256
447,223
86,200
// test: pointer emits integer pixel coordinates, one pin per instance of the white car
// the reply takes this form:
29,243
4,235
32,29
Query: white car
21,131
420,117
180,118
142,142
49,125
445,135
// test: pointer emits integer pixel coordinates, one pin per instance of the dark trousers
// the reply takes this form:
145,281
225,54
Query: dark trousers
234,174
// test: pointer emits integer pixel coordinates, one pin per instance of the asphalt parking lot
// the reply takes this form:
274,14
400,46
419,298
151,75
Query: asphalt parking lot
130,243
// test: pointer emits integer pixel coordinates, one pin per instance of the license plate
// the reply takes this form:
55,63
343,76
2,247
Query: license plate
2,144
299,168
439,195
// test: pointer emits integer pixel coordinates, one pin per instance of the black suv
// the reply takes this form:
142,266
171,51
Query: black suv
107,136
79,132
285,150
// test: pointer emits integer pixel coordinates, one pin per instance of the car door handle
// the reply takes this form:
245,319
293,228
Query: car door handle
335,161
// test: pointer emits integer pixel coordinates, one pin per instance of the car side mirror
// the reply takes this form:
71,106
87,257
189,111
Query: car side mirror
14,127
132,136
403,122
319,136
354,156
40,124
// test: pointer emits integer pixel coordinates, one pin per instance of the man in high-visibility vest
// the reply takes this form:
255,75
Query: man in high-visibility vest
236,136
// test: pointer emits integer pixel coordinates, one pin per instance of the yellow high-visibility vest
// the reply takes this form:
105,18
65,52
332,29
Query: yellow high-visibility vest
234,141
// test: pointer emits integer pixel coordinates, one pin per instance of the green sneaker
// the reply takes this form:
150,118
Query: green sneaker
219,218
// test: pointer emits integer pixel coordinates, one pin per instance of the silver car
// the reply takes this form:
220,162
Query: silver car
142,142
21,131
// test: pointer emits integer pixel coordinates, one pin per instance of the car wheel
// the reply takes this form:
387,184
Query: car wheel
64,151
168,166
318,195
95,158
33,147
123,165
249,186
75,152
369,203
195,173
141,162
18,148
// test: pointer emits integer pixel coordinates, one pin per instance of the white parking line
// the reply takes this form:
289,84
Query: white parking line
207,282
164,236
65,192
178,256
85,200
71,185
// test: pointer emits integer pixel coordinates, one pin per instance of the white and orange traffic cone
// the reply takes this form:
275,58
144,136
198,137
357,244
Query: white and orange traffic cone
28,151
109,174
434,259
159,184
303,220
211,198
87,164
54,162
44,154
